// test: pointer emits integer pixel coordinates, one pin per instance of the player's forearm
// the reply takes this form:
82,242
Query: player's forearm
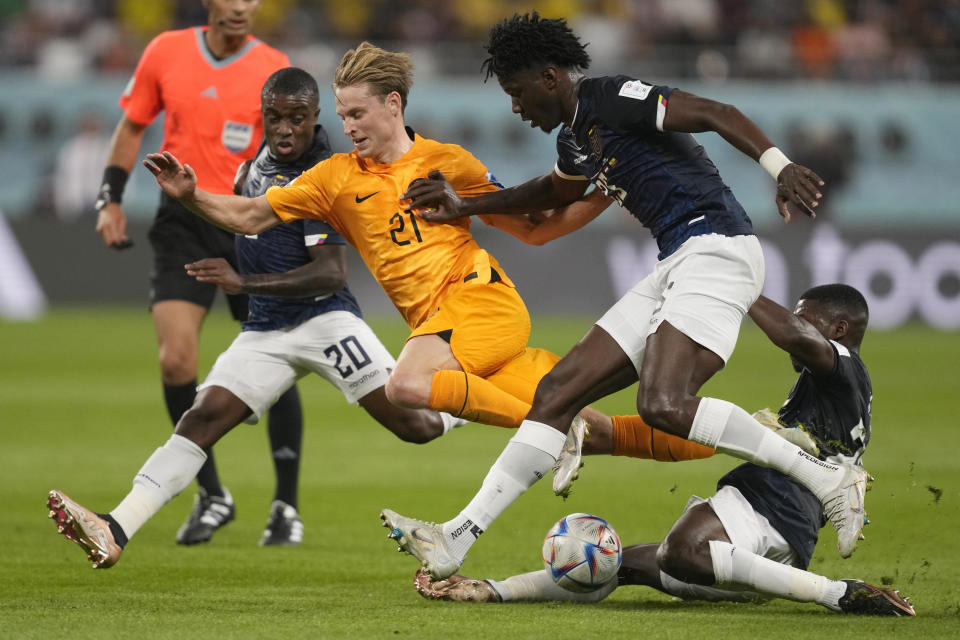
238,214
534,195
795,335
567,219
786,330
302,282
542,227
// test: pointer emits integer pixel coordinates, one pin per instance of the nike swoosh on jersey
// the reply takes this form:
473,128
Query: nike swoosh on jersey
359,199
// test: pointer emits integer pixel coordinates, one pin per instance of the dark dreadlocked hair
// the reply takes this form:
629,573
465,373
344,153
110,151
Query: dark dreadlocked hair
841,301
524,40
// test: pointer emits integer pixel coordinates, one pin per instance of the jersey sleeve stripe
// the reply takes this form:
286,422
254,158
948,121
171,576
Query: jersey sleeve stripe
567,176
661,111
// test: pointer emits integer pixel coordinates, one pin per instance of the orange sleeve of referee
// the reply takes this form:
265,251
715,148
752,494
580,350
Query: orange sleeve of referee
211,106
141,100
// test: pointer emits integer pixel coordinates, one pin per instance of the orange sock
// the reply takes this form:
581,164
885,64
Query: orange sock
465,395
633,437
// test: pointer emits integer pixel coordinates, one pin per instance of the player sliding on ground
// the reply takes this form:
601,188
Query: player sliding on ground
754,538
676,327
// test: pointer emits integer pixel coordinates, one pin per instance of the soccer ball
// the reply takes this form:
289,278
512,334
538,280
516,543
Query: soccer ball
581,552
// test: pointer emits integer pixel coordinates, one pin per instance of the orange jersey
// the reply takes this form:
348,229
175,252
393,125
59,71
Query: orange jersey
212,106
414,260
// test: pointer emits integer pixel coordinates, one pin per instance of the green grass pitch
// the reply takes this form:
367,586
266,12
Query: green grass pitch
81,409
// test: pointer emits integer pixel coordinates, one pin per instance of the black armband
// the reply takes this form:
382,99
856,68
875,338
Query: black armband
111,188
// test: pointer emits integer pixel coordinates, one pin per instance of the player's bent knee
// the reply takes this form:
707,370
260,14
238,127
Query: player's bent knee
177,366
204,424
407,391
659,409
683,558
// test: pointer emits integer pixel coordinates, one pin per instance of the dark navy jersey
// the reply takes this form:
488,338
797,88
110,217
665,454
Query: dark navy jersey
835,410
284,247
663,178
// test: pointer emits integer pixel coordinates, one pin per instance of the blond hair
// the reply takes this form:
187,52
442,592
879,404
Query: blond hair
384,71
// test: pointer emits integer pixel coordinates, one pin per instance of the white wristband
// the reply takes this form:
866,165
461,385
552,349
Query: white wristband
773,161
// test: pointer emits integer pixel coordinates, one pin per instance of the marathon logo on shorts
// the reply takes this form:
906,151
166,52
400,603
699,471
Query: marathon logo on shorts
364,378
236,136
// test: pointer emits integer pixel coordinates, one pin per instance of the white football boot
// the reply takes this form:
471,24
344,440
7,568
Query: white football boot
424,541
567,467
845,510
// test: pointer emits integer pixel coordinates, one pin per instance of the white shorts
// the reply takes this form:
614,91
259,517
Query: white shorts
261,365
746,528
704,289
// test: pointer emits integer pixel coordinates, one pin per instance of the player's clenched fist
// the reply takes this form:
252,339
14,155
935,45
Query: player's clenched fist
433,198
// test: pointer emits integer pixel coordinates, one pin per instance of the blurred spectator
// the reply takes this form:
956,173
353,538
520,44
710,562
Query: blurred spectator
861,50
813,49
76,175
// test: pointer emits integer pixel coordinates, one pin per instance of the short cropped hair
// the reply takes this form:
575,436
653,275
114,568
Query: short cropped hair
385,71
522,41
290,81
841,301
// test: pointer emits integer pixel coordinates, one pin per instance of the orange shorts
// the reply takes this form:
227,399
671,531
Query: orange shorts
520,376
486,324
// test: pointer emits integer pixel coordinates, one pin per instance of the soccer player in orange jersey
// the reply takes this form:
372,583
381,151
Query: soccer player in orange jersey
207,80
467,352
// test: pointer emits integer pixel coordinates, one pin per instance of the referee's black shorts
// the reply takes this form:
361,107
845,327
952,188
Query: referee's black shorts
178,237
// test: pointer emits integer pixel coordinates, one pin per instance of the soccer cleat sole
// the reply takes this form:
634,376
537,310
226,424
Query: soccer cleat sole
396,535
902,603
871,600
67,527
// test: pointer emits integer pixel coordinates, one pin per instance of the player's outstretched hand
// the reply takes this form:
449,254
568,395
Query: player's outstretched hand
798,188
218,271
177,180
433,198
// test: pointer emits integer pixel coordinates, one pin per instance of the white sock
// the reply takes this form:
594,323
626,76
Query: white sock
166,473
689,591
728,428
529,455
740,567
538,586
450,422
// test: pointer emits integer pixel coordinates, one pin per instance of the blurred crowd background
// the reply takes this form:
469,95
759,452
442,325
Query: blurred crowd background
849,40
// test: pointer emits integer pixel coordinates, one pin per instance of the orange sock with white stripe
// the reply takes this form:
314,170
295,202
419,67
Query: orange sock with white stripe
465,395
634,438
